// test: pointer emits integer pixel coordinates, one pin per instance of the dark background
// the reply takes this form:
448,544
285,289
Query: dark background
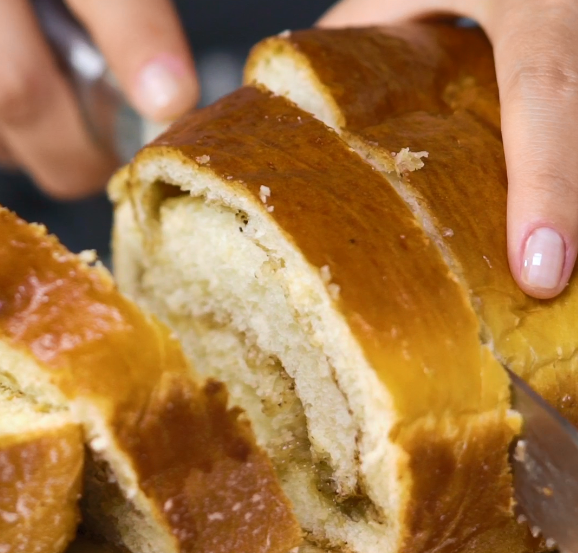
221,33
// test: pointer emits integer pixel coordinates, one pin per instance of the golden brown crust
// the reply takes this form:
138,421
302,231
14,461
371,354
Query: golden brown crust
379,72
532,335
459,126
401,301
40,483
81,317
461,195
95,344
340,214
213,479
463,479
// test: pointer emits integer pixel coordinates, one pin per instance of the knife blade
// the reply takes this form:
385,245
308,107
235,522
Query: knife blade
112,122
545,469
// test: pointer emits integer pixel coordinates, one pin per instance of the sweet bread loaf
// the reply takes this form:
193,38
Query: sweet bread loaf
170,467
292,270
459,196
41,460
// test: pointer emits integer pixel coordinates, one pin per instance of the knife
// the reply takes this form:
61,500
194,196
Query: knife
112,122
545,469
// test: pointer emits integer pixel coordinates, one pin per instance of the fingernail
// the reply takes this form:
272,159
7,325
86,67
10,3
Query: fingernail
165,88
543,259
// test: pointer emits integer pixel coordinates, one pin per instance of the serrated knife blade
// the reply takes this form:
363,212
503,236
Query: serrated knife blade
545,467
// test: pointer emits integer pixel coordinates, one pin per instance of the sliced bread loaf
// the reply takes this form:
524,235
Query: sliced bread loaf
293,271
458,195
171,467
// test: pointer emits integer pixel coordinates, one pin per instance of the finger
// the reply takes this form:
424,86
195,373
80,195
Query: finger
359,13
7,161
147,51
537,67
39,119
537,70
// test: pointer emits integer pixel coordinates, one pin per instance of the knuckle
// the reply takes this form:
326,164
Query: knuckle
89,177
543,56
543,76
22,96
6,158
57,189
550,186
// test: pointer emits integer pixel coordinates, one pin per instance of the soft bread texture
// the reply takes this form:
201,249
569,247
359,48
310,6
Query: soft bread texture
459,197
292,270
171,467
41,460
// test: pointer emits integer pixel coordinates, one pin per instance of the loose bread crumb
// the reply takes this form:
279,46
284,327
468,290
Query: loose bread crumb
333,290
325,274
264,193
407,161
88,256
520,451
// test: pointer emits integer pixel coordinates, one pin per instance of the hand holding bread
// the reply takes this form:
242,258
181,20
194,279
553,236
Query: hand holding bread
330,241
332,257
537,73
42,125
535,60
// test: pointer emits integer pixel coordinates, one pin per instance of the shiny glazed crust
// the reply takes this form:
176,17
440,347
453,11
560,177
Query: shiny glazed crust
401,302
366,76
40,483
325,176
459,196
459,127
191,454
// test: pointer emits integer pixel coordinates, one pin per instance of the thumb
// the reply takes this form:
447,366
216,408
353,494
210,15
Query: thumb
147,51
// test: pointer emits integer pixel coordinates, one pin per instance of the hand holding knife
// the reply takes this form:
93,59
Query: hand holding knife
107,115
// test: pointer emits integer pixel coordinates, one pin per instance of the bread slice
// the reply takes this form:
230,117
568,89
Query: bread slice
171,468
355,78
458,197
41,459
293,271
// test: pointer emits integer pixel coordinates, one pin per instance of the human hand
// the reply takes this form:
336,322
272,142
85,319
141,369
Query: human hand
537,70
41,127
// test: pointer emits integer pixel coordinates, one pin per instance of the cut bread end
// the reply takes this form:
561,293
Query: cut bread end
168,460
41,460
276,64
